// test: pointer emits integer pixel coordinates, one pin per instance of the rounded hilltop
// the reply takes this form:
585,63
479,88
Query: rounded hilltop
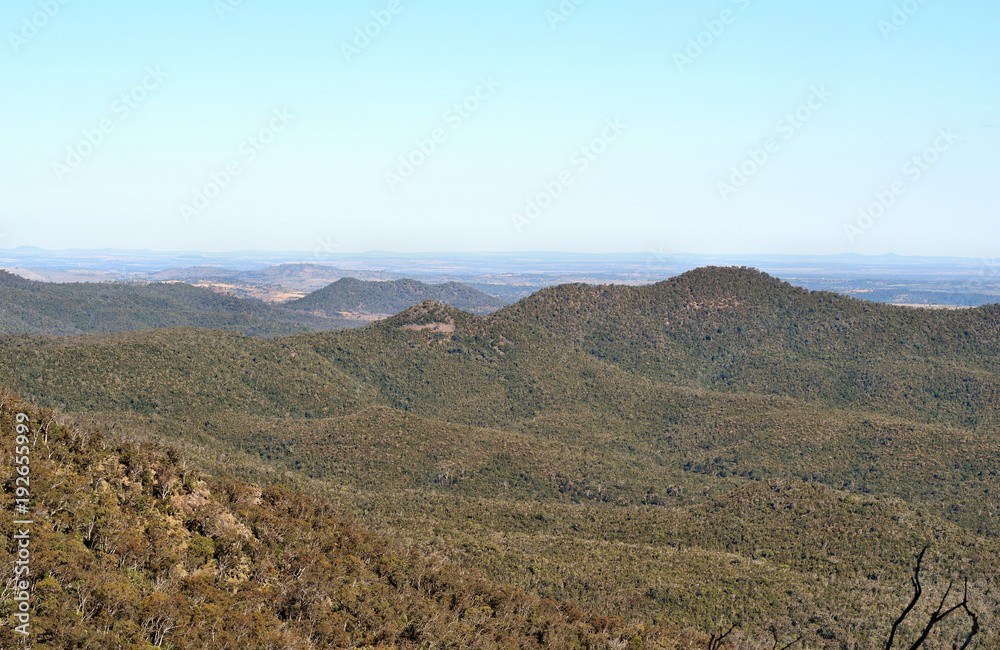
429,315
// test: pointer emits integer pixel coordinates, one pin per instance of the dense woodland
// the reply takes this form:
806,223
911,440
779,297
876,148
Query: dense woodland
717,450
134,550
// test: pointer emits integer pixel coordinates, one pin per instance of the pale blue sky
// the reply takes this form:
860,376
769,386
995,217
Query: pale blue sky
884,97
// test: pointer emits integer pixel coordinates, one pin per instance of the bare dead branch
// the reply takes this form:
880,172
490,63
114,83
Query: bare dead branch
938,615
975,619
917,592
715,642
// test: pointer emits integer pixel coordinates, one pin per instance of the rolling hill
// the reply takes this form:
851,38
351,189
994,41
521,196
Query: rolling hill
352,296
30,307
717,448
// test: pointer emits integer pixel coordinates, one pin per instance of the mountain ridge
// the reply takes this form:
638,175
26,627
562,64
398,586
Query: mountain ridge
349,295
33,307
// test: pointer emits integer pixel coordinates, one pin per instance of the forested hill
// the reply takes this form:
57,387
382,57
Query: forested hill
349,295
741,330
30,307
131,548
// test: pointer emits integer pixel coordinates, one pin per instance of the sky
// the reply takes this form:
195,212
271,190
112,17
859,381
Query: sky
727,126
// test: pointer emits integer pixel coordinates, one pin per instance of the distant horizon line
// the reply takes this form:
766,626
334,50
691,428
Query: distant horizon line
377,252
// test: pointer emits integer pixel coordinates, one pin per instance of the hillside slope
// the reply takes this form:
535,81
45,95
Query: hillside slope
29,307
130,548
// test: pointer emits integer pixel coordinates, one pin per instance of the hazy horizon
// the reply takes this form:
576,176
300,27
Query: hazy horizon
312,254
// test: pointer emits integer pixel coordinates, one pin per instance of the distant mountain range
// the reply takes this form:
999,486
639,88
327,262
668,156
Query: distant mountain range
278,277
656,264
